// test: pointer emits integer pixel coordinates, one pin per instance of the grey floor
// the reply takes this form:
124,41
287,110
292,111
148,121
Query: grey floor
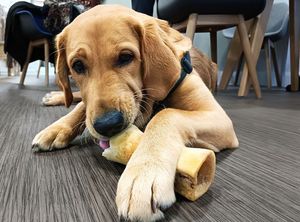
260,181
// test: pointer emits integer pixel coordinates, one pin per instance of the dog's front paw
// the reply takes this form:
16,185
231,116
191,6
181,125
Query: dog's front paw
54,98
55,136
143,190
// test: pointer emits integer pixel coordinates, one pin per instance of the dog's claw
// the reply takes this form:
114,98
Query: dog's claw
45,100
35,148
122,219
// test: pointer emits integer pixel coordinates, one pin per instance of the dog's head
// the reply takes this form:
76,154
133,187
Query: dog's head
117,57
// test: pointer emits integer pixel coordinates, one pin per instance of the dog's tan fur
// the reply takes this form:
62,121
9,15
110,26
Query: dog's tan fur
193,117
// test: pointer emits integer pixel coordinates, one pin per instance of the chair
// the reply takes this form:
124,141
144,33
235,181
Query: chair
192,16
32,28
27,39
23,27
277,27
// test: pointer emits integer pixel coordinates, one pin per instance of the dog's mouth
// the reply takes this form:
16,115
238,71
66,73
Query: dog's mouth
104,143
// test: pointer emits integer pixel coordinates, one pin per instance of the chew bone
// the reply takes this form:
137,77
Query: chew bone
123,145
195,167
195,172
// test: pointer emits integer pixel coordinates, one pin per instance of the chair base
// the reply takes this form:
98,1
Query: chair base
270,57
213,23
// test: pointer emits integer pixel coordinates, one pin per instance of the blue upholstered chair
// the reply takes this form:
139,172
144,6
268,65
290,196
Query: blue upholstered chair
32,28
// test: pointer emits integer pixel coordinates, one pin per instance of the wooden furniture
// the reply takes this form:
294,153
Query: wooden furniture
32,44
294,8
277,28
38,36
212,16
216,22
270,57
256,41
256,28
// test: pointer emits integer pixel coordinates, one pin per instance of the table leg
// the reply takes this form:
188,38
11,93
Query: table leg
294,43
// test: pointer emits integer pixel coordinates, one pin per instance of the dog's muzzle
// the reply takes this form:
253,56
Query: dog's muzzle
109,124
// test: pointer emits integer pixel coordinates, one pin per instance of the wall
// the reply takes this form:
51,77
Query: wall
8,3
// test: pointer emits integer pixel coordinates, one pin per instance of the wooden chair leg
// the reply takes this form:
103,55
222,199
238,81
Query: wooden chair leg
276,66
268,62
243,33
232,59
257,36
16,68
24,70
39,69
46,45
191,26
9,64
238,70
214,46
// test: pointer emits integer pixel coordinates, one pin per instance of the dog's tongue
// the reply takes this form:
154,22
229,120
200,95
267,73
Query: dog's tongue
104,143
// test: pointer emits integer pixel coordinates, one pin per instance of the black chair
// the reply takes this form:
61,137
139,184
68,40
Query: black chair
31,27
27,39
23,30
193,16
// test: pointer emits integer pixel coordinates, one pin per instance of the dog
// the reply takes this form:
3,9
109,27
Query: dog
125,63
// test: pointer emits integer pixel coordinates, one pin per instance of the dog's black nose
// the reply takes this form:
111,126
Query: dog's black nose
109,124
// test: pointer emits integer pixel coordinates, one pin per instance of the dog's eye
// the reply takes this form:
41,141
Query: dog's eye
124,59
79,67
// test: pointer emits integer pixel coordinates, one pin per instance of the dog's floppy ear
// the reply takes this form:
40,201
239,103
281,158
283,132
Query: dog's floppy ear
161,50
62,70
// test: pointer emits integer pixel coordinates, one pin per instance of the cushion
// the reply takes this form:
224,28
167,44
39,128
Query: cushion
176,11
277,24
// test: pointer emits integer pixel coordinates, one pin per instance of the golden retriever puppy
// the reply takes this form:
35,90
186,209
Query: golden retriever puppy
125,63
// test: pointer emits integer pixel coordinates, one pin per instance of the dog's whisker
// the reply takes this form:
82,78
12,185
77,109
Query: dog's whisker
146,103
95,141
147,111
64,48
146,96
58,50
140,120
142,102
78,126
85,136
148,89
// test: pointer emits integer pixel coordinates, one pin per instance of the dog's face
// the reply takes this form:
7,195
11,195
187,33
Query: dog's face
117,57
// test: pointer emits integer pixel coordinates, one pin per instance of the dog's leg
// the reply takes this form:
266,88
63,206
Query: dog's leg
62,132
57,98
147,183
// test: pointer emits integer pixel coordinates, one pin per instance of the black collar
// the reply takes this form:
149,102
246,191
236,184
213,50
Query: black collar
186,68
